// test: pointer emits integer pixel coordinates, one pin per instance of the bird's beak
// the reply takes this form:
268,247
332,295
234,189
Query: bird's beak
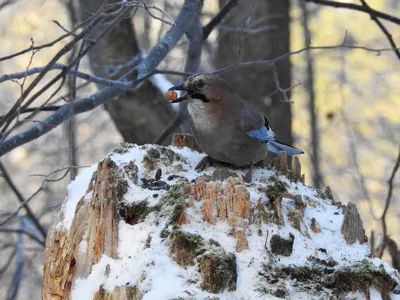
180,87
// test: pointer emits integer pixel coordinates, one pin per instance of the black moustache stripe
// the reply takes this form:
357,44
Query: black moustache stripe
199,97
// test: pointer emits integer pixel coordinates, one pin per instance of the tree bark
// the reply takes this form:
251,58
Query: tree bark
257,85
139,115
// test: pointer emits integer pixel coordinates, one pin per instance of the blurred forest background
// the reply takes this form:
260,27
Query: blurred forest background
324,73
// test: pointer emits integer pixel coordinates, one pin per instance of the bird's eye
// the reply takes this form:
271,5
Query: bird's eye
200,84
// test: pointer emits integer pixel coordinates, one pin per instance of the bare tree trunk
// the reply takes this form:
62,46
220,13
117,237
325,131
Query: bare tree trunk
309,85
140,115
257,85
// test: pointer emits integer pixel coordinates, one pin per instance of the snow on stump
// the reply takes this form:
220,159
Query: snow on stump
143,224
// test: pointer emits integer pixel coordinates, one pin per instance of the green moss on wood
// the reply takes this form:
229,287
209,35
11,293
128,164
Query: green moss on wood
133,213
185,247
282,246
131,171
123,148
316,280
218,270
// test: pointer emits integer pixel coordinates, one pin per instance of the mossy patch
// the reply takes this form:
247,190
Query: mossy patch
185,247
160,155
123,148
326,282
131,171
362,276
117,184
275,187
176,193
218,270
223,174
321,194
133,213
282,246
173,204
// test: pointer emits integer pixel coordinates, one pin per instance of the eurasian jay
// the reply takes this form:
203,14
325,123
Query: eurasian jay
227,128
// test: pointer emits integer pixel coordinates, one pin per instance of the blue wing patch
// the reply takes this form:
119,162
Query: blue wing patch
261,134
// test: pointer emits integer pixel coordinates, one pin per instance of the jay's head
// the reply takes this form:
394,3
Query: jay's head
206,88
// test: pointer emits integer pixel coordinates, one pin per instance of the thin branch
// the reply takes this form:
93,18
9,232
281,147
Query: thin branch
34,109
82,75
187,14
31,48
24,203
69,46
389,197
286,55
356,7
120,14
383,29
5,3
8,262
145,69
283,91
46,180
248,30
32,236
174,124
207,29
149,7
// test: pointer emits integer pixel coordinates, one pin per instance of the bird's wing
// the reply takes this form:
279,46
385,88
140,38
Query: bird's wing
255,125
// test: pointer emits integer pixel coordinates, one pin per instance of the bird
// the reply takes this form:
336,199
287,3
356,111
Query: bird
227,128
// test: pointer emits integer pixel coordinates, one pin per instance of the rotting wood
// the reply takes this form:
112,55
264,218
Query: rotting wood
95,222
352,228
181,140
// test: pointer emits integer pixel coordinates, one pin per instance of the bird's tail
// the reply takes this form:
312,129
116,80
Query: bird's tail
276,146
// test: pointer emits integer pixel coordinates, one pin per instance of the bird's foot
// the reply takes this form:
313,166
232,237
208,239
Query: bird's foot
260,164
248,176
204,163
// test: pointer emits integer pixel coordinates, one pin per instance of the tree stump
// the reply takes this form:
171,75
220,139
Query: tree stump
145,225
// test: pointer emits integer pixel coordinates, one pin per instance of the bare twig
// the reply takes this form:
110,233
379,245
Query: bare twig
150,7
207,29
32,47
248,30
389,197
8,262
145,69
286,55
24,203
82,75
283,91
46,180
382,28
120,14
356,7
174,124
32,236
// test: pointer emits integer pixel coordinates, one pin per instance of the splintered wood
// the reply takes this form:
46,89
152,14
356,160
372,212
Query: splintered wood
181,140
229,201
95,224
280,163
